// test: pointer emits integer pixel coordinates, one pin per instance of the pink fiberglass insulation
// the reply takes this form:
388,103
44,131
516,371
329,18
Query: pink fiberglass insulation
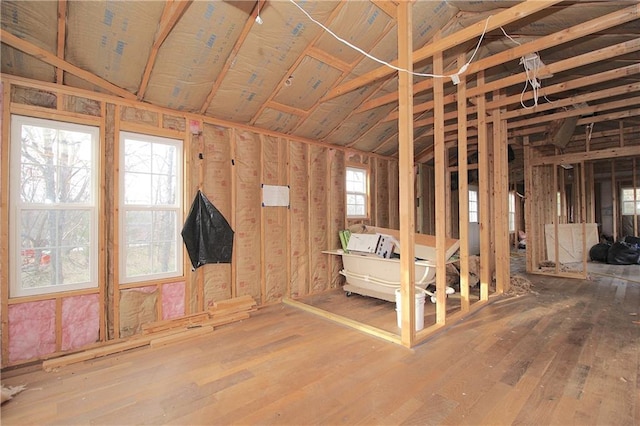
172,300
32,330
80,321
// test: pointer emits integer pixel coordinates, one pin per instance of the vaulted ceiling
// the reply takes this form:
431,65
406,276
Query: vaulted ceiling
275,65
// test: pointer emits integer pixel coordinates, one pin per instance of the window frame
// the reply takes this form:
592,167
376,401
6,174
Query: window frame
476,202
512,212
357,169
16,206
178,208
630,202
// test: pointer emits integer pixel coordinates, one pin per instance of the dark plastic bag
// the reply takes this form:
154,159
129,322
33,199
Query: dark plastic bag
599,252
207,234
623,254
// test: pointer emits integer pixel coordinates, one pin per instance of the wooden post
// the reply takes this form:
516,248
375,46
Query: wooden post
500,201
406,180
529,229
483,194
234,201
440,160
614,201
463,190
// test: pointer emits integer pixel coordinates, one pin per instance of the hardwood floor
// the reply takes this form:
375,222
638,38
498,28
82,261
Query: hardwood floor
567,354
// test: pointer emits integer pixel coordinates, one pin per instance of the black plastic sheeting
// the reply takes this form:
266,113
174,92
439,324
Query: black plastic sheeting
207,234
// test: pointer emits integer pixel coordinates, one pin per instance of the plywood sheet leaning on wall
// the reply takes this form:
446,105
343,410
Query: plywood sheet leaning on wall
247,214
274,172
337,213
217,184
318,214
299,219
570,242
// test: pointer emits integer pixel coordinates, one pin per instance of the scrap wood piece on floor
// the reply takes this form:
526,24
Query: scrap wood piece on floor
8,392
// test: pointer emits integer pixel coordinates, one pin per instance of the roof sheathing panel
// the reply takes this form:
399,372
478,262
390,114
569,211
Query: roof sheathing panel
269,49
112,39
308,83
35,22
193,55
358,22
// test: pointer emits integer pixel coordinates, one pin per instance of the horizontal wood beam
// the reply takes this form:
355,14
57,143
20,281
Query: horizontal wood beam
577,157
505,17
581,30
51,59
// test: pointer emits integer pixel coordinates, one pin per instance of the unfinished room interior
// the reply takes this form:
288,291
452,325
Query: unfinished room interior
320,212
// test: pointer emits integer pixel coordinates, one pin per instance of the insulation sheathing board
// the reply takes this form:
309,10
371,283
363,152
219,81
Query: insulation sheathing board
299,219
173,300
248,196
80,321
337,212
138,306
274,172
28,96
278,121
318,214
358,124
37,25
329,114
139,116
268,48
112,39
204,38
359,22
308,82
32,330
217,186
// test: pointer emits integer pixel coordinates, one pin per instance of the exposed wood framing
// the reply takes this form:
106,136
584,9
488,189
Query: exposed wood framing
505,17
62,36
406,180
483,194
441,161
173,11
42,54
463,190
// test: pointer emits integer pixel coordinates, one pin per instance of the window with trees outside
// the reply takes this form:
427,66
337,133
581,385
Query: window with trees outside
357,193
628,201
150,207
53,206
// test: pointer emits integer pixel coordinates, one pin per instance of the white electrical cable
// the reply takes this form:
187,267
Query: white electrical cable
462,69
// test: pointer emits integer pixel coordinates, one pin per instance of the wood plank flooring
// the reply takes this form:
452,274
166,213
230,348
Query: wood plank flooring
566,354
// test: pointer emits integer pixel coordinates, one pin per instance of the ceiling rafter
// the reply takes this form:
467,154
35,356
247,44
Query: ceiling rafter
51,59
504,17
62,36
231,58
581,30
294,66
605,53
344,75
173,11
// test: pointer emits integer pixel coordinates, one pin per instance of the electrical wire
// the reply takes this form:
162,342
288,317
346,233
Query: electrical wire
460,71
